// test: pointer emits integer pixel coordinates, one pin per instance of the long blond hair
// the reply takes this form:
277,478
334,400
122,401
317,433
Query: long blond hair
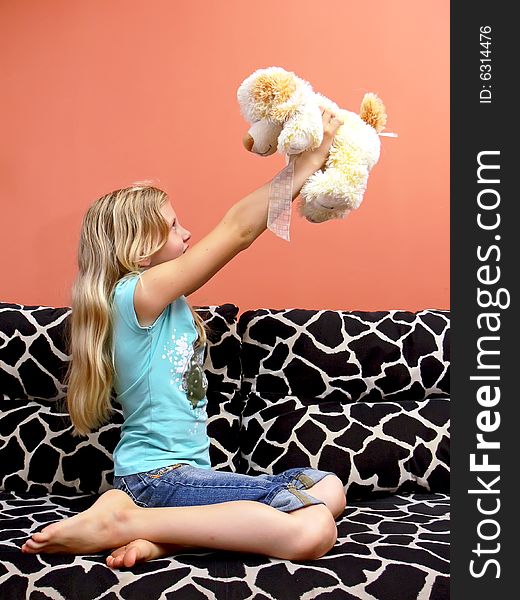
119,230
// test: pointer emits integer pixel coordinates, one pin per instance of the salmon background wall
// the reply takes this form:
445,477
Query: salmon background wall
97,95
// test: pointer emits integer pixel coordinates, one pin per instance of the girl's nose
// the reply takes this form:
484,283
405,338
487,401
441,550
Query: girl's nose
186,236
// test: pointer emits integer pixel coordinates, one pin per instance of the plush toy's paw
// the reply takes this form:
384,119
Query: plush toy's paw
324,208
330,194
294,142
302,131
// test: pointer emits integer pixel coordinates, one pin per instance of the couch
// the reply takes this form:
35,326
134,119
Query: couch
363,394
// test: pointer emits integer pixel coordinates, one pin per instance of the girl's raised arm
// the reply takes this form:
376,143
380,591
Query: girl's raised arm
241,225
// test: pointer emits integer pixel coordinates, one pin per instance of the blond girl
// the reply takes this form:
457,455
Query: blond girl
133,331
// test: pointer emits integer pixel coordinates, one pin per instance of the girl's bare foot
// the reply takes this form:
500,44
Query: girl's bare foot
140,551
94,530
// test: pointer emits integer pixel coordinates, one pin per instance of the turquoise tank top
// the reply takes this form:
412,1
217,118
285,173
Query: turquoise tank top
161,386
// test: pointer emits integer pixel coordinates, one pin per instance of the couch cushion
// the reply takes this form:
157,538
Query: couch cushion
37,451
372,447
362,394
346,356
33,351
387,548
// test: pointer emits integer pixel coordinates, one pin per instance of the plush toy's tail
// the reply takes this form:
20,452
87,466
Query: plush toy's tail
373,111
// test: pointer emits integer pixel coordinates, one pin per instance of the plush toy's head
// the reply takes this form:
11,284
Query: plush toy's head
285,115
282,111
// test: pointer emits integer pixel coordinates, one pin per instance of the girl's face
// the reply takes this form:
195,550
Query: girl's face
176,243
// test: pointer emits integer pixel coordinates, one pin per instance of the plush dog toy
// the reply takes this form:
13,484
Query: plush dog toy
285,115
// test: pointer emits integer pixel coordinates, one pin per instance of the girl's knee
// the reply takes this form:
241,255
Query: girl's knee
340,499
315,533
333,492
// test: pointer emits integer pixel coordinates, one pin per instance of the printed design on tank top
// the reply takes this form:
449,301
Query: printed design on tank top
186,371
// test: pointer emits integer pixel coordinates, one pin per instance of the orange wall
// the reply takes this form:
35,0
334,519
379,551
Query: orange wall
97,95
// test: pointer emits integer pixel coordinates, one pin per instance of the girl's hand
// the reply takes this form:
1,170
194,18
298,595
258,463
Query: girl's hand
318,157
310,161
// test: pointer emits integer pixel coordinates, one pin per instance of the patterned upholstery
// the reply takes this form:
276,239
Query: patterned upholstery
346,356
388,548
363,394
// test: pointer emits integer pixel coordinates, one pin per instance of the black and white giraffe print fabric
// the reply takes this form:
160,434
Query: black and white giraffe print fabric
346,356
372,447
389,548
362,394
365,395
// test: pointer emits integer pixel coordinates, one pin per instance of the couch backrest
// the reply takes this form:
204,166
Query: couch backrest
363,394
37,450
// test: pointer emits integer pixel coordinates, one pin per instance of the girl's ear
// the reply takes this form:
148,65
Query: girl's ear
145,262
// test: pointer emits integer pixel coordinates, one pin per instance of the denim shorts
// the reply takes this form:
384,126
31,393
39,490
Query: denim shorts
184,485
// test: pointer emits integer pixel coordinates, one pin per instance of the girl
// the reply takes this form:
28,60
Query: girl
132,330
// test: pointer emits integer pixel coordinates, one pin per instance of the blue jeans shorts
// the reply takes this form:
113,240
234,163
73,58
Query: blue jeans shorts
184,485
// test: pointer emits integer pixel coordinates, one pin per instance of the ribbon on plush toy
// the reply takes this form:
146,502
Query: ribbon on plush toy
280,201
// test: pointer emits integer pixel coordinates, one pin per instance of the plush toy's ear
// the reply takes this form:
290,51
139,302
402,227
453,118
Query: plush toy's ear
373,111
269,93
272,91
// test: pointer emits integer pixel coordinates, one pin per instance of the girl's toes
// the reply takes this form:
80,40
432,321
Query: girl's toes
115,559
40,537
130,557
134,552
30,544
118,552
114,562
